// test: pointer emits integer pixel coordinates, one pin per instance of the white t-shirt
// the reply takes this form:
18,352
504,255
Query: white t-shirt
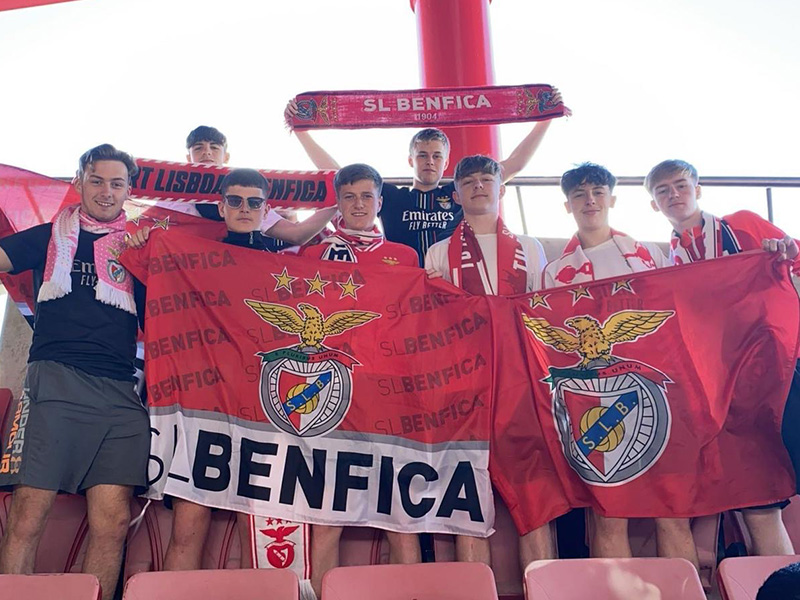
535,259
607,261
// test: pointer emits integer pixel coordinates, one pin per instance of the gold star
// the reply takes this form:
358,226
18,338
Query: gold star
622,284
580,292
317,285
538,300
349,288
284,280
163,224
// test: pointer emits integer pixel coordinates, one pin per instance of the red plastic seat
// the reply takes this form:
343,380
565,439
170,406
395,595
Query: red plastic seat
148,544
213,584
72,586
739,578
612,579
430,581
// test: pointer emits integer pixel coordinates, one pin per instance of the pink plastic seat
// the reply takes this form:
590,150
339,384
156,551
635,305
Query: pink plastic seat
213,584
431,581
72,586
148,544
612,579
740,577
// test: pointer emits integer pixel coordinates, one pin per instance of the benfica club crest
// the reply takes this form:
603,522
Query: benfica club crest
306,110
611,413
306,389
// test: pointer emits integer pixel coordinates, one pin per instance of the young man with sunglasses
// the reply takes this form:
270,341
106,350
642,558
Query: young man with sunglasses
243,208
208,145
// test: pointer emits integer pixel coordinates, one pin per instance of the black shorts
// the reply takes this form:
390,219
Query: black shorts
71,431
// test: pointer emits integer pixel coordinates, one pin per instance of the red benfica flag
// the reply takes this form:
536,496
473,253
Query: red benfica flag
316,391
661,394
486,105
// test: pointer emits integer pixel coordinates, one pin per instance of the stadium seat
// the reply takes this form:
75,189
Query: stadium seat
361,546
429,581
147,544
213,584
612,579
740,577
504,545
72,586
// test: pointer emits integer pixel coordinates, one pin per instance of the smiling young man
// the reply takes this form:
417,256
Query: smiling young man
697,235
597,251
424,214
482,257
87,431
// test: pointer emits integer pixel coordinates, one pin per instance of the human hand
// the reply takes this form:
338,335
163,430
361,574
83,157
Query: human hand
138,239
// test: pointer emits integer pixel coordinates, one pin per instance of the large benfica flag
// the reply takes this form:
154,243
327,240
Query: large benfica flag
316,391
662,394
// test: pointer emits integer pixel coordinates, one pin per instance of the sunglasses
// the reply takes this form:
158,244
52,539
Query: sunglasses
253,203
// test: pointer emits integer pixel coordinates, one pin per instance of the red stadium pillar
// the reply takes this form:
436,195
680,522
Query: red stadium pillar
455,49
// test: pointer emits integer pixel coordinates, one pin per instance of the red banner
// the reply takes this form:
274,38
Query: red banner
437,107
662,394
14,4
160,180
316,391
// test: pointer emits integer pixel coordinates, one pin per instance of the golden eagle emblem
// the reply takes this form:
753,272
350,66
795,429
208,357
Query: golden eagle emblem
594,341
312,326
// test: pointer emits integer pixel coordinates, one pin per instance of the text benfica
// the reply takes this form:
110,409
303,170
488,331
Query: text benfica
426,103
212,471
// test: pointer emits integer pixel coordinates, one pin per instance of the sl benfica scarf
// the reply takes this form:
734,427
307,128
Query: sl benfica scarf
711,239
353,242
469,270
575,267
159,180
415,108
114,285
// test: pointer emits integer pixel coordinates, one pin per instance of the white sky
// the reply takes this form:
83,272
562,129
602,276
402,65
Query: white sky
712,81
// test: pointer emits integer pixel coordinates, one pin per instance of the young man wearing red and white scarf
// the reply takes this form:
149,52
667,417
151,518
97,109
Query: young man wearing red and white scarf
697,235
356,239
484,257
86,429
597,251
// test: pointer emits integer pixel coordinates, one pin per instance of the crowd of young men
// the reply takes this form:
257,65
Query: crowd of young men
87,432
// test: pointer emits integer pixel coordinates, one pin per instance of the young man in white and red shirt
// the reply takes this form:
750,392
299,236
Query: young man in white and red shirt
483,257
597,251
425,213
357,240
697,235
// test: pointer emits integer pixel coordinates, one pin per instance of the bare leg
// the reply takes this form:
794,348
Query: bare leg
243,525
768,532
403,548
473,549
536,545
324,553
190,523
109,514
610,537
26,520
674,540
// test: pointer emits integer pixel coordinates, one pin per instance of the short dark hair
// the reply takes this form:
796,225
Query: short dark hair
587,173
245,178
204,133
477,163
430,134
783,584
667,168
106,152
357,172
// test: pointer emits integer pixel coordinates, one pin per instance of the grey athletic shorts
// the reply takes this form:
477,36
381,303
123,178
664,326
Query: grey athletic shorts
71,431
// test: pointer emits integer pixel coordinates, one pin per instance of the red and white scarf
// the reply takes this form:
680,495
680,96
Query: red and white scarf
575,267
114,283
468,267
346,244
711,239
